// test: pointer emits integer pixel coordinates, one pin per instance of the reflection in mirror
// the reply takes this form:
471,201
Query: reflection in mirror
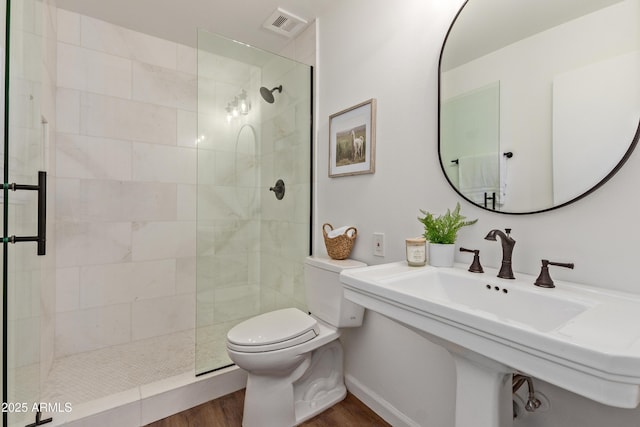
554,82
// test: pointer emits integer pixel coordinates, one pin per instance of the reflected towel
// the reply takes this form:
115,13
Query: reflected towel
480,174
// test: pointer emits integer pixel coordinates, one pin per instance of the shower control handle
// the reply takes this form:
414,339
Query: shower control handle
278,189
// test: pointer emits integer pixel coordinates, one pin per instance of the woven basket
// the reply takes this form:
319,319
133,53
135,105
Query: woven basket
339,247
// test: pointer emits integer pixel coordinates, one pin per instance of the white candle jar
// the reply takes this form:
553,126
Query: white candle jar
417,252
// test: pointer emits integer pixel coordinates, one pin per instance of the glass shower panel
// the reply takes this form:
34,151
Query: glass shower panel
23,157
250,245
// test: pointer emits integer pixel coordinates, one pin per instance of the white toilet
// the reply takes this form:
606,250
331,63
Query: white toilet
293,359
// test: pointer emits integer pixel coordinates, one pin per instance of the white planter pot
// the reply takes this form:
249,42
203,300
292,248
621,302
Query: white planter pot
441,255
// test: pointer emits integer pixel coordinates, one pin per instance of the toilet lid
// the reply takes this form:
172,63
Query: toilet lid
273,331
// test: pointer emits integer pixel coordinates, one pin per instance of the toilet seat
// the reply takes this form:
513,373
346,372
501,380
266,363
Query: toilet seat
273,331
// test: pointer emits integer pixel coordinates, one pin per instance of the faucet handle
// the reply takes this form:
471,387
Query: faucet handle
544,279
475,265
508,231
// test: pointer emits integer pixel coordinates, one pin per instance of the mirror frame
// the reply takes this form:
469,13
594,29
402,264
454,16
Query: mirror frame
599,184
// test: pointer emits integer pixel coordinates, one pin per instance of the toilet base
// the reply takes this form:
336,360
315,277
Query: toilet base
312,387
322,386
307,410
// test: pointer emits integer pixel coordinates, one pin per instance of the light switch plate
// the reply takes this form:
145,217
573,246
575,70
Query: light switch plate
378,244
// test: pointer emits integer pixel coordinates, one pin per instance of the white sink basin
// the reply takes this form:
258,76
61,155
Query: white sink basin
580,338
484,297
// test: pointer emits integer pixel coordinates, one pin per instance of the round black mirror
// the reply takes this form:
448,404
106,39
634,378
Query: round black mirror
539,100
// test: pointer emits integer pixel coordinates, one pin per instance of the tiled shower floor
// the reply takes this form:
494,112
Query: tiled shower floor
91,375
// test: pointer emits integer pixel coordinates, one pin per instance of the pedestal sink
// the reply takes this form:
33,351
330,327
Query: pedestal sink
583,339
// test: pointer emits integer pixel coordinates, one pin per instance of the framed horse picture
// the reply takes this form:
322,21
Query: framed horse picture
352,140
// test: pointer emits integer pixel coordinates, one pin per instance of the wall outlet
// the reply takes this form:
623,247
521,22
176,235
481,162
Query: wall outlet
378,244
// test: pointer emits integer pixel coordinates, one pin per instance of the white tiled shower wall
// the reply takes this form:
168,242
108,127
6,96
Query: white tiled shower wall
126,175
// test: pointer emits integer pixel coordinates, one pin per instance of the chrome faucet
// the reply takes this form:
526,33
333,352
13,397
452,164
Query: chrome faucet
506,272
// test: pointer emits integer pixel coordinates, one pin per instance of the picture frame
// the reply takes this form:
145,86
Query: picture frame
352,140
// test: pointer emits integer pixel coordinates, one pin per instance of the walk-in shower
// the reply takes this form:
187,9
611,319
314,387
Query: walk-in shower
249,243
162,231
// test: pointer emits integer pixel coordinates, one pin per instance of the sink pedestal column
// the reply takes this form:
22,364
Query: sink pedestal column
483,392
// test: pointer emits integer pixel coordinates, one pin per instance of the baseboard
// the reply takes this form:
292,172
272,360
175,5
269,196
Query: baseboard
378,404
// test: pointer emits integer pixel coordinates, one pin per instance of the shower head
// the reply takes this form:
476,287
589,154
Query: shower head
267,94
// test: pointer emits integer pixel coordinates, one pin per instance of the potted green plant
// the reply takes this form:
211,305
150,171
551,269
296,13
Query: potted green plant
441,233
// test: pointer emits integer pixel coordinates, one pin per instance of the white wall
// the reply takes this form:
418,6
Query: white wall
583,119
390,52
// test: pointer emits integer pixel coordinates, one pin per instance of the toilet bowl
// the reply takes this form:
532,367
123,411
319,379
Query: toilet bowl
294,360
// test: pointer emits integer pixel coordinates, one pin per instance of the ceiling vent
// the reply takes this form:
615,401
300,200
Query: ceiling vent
284,23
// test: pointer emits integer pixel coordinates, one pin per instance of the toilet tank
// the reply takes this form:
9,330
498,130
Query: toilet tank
325,298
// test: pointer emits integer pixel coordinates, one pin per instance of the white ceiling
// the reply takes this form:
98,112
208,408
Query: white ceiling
242,20
178,20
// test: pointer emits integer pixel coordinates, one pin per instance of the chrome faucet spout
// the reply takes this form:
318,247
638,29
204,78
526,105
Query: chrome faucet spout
506,271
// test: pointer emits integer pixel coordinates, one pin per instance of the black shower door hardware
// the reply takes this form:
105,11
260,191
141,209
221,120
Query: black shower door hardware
41,188
39,421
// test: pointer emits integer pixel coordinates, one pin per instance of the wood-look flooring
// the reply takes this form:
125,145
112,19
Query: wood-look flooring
227,412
